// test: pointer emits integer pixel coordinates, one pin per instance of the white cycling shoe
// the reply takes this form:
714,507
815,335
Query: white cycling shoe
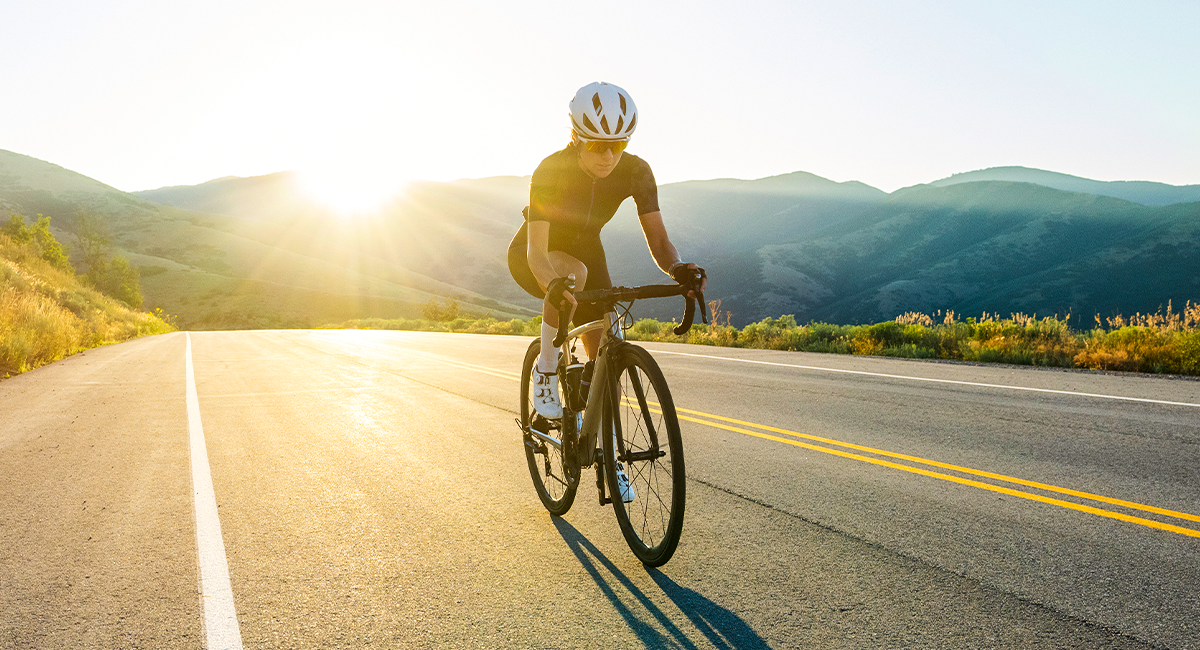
545,395
623,486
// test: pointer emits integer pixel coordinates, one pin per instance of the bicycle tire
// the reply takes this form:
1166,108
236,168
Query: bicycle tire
547,466
639,411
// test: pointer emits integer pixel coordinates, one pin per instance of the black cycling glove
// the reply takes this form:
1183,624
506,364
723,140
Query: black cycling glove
556,289
686,275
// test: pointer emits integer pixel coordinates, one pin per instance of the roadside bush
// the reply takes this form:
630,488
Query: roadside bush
1136,349
647,329
1147,343
46,315
446,311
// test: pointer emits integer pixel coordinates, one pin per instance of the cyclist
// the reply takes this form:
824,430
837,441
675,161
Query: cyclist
574,192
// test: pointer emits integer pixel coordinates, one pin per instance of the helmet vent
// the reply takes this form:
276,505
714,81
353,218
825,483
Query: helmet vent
603,111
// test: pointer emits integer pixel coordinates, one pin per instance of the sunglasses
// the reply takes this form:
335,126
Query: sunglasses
598,146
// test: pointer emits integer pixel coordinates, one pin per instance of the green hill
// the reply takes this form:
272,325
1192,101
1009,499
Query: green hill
253,252
801,244
984,246
454,234
221,271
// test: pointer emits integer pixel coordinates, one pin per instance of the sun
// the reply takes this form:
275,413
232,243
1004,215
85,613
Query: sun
350,193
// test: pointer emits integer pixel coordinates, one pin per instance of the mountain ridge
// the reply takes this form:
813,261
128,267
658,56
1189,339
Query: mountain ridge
793,243
1143,192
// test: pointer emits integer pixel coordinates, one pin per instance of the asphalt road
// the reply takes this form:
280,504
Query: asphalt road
372,493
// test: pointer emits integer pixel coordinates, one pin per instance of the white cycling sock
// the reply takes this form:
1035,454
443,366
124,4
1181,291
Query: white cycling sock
548,361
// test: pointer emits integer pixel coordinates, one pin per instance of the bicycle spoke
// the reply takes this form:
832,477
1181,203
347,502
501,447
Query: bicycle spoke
547,466
650,450
636,383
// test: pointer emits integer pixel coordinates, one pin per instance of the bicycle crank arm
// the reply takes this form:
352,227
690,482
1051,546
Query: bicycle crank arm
637,456
604,499
553,442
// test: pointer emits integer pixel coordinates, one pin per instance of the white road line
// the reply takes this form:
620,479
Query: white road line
221,631
940,381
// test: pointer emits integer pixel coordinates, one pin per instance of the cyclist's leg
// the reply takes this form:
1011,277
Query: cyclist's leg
564,264
548,466
591,253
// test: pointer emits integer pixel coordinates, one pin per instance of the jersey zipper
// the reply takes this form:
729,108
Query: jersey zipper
588,221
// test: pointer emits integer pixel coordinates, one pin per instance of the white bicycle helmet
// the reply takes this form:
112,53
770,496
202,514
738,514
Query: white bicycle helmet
602,111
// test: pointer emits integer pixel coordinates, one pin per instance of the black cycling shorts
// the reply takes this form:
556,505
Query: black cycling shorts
589,251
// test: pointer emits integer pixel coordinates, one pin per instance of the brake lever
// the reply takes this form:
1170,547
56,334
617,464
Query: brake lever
689,310
689,314
561,336
564,311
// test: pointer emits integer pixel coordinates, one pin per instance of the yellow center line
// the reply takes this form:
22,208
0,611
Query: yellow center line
956,468
917,470
956,479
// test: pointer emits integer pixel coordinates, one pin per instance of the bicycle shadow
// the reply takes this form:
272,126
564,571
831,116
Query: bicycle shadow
721,627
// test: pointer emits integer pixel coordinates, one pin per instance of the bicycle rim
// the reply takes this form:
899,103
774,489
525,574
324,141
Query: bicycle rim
547,467
642,426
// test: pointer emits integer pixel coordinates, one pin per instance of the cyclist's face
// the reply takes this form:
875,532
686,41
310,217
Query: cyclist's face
599,164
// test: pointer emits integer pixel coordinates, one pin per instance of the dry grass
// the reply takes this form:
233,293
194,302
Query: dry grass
1160,343
46,314
1164,342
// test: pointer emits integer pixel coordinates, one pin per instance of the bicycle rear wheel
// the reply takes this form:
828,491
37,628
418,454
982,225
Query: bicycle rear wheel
547,465
642,438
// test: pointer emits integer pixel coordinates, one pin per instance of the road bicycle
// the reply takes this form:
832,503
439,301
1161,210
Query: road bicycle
618,417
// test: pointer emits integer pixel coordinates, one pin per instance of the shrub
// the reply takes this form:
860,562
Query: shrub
448,311
45,314
647,328
1148,343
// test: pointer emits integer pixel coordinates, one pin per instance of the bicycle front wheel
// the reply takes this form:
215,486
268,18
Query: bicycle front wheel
547,465
643,443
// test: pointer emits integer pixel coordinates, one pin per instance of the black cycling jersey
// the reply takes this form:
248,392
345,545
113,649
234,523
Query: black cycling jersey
577,207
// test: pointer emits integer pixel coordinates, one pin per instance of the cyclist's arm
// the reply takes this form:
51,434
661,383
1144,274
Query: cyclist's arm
665,255
537,252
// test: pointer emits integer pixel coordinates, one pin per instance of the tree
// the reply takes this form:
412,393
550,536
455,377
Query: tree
433,311
52,251
94,245
16,230
121,282
48,248
111,274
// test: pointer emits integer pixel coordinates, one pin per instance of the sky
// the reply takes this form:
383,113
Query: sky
362,97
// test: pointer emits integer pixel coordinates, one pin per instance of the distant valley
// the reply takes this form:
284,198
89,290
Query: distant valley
253,252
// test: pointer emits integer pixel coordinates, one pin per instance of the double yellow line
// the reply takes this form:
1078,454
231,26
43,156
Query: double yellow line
878,456
795,439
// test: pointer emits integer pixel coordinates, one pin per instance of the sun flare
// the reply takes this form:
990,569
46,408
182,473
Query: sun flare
350,193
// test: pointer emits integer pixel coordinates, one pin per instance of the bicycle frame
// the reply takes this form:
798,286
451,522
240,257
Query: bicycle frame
592,413
623,429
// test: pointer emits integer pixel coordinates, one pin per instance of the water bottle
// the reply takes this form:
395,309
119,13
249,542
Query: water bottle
575,397
585,382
